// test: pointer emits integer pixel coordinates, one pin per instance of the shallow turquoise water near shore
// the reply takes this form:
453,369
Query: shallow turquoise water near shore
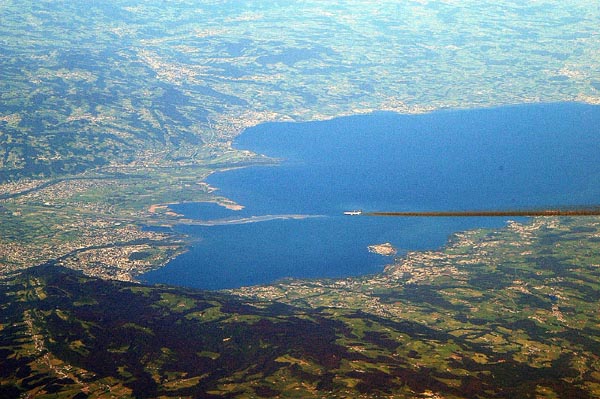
519,157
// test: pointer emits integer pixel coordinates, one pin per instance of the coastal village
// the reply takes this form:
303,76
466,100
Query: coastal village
466,256
100,239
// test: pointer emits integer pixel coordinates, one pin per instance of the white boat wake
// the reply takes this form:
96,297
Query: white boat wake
250,219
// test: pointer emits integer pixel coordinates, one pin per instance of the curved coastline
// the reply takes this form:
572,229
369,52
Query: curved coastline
509,171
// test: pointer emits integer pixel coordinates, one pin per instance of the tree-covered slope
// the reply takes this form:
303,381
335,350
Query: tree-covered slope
495,314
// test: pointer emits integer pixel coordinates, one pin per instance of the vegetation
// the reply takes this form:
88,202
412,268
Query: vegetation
111,110
107,109
513,316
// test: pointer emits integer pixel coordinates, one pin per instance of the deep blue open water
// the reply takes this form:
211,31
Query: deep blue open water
518,157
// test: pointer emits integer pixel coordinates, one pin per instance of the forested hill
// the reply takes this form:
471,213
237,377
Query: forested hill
496,314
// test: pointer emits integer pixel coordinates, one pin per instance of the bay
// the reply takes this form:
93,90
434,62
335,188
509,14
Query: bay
516,157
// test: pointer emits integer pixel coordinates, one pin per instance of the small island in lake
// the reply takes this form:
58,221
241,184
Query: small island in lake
385,249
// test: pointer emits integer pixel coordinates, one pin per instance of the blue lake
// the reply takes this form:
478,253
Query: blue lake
518,157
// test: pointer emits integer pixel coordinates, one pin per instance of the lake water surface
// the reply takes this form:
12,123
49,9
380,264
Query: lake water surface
519,157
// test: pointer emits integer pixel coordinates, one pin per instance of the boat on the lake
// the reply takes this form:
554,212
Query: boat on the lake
353,213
